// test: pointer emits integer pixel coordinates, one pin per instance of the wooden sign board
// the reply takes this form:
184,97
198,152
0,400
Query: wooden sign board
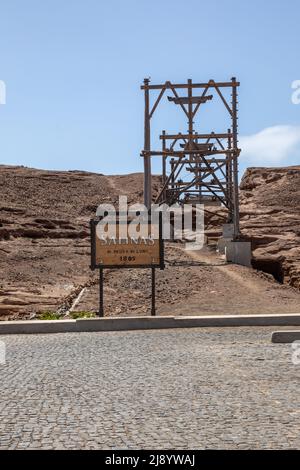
115,252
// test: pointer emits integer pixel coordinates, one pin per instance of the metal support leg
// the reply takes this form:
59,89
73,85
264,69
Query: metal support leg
147,148
101,309
153,312
236,213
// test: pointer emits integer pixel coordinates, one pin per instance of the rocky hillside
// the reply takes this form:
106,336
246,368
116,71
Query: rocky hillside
44,232
270,216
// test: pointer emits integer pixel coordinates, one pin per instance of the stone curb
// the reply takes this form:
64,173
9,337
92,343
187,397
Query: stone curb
285,336
145,323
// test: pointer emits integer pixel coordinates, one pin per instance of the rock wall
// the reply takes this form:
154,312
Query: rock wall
270,216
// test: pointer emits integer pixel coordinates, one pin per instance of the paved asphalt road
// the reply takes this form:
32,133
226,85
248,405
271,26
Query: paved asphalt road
200,388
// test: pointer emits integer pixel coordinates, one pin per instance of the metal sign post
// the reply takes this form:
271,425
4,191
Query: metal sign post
153,312
101,300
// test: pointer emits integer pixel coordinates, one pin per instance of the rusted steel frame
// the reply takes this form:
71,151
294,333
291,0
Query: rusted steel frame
147,148
164,160
176,95
220,185
198,105
194,99
221,216
190,108
219,167
200,147
231,154
211,83
203,178
203,147
221,170
208,173
204,172
204,192
178,173
211,190
211,171
175,142
217,179
211,160
168,179
215,188
178,153
185,183
224,101
189,185
172,178
220,143
198,136
235,154
195,192
229,179
185,140
157,101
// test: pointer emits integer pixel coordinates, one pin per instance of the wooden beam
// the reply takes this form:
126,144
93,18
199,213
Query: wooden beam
211,83
187,100
197,136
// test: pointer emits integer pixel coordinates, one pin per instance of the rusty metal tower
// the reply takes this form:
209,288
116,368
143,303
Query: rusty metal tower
196,167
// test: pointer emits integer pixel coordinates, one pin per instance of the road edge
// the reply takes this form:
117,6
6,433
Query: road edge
145,323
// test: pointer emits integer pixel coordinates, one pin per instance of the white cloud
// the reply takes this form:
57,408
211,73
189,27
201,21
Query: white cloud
271,146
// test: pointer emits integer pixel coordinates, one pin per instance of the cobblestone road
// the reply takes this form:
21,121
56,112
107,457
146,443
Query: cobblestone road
200,388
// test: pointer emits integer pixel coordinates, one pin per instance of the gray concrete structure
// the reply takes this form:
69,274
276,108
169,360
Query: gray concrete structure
286,336
145,323
228,231
227,237
222,243
238,252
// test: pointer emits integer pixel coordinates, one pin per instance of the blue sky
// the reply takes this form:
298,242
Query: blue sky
73,70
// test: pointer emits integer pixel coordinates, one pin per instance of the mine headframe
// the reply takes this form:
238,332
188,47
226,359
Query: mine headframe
196,167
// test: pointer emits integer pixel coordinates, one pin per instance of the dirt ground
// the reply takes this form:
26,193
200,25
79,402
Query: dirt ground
193,283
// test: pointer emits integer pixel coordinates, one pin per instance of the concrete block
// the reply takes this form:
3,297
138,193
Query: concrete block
291,319
37,326
139,323
124,323
145,323
221,245
228,231
238,252
285,336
